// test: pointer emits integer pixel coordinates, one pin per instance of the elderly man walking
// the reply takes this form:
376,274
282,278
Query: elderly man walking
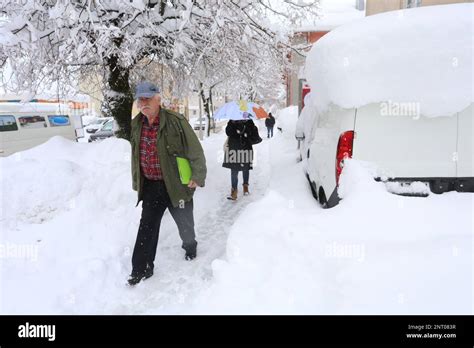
158,137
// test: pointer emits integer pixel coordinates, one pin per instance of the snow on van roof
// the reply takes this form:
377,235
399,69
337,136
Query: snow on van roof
8,107
422,55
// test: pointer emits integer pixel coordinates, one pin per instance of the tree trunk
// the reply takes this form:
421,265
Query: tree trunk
211,109
205,102
118,98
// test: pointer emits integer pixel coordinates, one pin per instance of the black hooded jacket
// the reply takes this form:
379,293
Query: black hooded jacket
239,151
270,121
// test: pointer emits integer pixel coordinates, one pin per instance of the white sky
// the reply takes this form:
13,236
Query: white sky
334,13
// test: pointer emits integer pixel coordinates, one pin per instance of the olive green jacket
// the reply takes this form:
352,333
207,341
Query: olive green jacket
175,138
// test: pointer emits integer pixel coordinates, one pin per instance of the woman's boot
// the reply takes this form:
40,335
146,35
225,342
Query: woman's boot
233,194
246,189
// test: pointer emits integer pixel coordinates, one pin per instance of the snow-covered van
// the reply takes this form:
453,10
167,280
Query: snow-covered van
399,99
25,125
437,151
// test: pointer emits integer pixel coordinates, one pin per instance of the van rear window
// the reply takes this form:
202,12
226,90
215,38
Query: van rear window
59,120
7,124
28,122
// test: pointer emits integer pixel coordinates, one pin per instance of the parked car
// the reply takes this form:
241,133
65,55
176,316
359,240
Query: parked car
106,131
95,125
88,117
201,122
25,125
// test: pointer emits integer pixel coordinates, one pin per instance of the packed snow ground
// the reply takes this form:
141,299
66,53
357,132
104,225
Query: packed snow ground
69,226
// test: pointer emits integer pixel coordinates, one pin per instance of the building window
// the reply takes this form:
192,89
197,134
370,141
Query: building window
58,120
29,122
7,124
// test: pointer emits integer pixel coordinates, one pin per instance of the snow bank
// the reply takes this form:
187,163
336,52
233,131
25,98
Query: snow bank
60,181
286,120
421,55
41,182
72,206
269,267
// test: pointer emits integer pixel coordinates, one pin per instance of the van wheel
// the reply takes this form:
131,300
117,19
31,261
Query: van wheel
312,185
322,198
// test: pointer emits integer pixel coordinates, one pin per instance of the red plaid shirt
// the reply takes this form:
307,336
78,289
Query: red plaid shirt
149,160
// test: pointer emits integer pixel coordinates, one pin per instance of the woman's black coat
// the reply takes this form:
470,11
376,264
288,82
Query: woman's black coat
239,153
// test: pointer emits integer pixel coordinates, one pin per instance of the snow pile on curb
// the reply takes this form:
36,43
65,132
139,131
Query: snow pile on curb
286,119
269,268
67,220
40,182
357,180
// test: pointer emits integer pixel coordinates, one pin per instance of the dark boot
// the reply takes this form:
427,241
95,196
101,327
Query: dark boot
191,253
246,189
136,277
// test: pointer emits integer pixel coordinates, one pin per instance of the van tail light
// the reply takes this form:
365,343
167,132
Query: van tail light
344,150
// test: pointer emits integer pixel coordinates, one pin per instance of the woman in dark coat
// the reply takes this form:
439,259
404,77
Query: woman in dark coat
238,152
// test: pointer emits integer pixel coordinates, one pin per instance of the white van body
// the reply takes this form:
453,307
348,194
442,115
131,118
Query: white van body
405,148
397,97
25,125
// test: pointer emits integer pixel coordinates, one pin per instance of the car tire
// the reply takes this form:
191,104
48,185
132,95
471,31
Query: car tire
322,198
312,186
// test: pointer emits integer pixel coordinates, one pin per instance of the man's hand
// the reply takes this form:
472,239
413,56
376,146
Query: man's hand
192,184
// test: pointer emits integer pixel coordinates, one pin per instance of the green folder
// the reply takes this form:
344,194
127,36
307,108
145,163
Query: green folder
184,170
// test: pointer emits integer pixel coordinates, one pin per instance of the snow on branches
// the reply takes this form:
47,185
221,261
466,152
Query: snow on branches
236,42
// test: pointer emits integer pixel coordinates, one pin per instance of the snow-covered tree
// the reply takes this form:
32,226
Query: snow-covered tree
245,57
59,39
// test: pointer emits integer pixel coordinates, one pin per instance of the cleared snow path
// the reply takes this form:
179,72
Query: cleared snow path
176,281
